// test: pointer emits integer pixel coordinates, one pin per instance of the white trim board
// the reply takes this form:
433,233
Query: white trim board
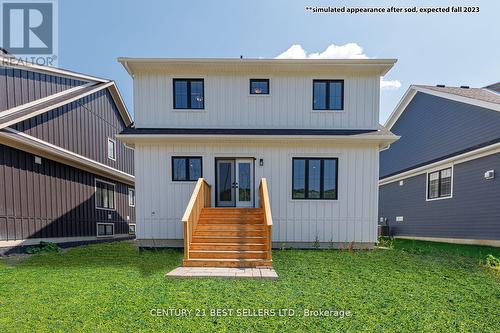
413,90
11,62
42,148
466,241
471,155
55,106
42,100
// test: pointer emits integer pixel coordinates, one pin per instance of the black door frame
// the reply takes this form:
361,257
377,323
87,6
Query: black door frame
234,189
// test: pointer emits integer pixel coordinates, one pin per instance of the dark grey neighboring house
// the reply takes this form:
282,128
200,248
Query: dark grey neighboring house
63,176
440,181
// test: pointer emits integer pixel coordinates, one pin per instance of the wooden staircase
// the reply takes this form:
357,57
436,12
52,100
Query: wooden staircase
226,237
229,237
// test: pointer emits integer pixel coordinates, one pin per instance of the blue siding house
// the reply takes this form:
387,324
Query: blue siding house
439,182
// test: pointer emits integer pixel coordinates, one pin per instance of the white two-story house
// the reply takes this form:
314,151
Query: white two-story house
208,133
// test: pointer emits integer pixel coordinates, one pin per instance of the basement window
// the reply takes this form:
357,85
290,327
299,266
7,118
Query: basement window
105,229
439,184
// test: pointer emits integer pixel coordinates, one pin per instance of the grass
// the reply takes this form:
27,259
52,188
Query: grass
415,286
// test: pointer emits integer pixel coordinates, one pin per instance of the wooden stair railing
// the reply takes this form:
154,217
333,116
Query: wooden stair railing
199,199
268,219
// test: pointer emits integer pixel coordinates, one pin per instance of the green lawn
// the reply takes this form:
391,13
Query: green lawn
414,287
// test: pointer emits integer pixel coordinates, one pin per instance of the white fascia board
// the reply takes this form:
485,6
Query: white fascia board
36,146
120,103
381,140
374,66
468,156
400,107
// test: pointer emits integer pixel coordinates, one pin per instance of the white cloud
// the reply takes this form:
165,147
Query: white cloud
389,84
347,51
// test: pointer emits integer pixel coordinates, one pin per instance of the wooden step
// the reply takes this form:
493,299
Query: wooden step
230,239
229,233
226,211
205,220
228,246
230,209
230,227
234,254
227,263
231,218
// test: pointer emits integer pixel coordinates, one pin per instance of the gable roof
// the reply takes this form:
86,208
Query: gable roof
482,97
481,94
51,102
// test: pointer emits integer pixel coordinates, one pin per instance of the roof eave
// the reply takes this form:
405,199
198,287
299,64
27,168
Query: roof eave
380,139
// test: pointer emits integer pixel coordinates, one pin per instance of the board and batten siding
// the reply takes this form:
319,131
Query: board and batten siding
51,200
19,86
83,127
473,212
228,103
353,217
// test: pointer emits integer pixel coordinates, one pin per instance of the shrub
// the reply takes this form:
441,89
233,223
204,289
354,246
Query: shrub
492,262
385,242
43,247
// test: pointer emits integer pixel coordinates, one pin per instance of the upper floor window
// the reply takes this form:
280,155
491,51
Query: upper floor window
259,86
131,197
186,168
104,195
314,178
111,149
439,184
328,94
189,94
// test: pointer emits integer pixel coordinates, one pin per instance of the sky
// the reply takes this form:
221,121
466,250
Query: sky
452,49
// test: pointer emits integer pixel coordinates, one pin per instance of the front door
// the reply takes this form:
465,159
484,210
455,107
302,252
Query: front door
235,182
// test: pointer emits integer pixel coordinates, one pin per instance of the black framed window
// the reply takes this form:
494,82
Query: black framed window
328,94
439,184
259,86
189,94
186,169
314,178
104,195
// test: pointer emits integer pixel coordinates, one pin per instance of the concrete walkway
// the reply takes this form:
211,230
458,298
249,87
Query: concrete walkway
222,272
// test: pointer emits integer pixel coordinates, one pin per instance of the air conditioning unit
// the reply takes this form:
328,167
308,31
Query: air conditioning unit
490,174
